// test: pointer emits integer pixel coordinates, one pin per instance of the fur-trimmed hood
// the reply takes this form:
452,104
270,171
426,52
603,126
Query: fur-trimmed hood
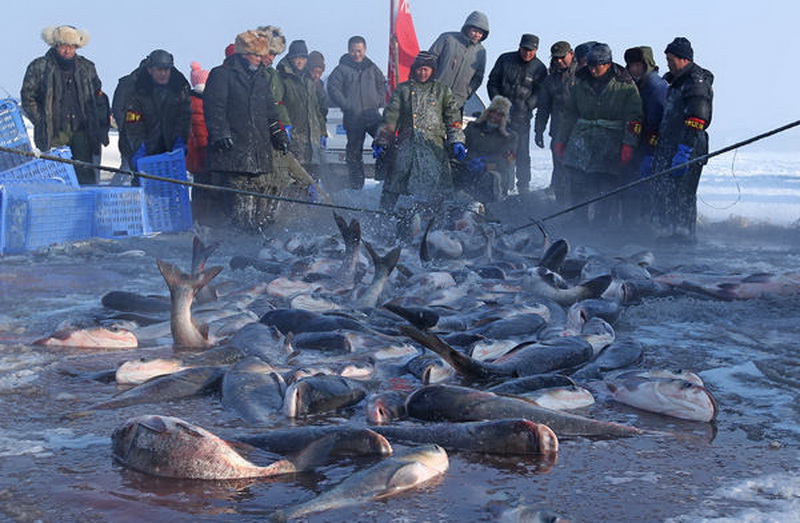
65,35
499,104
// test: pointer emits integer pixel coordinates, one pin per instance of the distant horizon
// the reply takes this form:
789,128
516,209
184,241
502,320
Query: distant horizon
723,34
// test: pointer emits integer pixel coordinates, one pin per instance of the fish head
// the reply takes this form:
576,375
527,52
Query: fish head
142,369
690,400
385,407
532,438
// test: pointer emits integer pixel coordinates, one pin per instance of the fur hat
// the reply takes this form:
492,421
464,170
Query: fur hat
582,51
315,59
499,104
277,42
65,35
599,54
198,77
680,47
252,42
424,59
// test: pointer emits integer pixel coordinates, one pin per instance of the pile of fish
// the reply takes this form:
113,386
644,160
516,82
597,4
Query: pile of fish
459,342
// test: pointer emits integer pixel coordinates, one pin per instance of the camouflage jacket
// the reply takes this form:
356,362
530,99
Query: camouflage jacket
41,99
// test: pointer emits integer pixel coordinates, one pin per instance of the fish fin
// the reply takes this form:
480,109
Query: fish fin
424,253
597,286
405,477
200,254
553,258
759,277
420,318
351,233
461,363
154,423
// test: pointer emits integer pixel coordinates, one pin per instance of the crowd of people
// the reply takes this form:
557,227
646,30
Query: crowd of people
248,125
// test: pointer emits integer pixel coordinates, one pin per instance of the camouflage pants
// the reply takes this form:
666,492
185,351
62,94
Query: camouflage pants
674,202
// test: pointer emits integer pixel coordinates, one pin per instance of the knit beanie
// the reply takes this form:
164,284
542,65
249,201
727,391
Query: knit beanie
315,59
198,76
680,47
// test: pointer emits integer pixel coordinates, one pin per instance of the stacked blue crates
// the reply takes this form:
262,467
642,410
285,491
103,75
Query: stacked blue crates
12,134
167,206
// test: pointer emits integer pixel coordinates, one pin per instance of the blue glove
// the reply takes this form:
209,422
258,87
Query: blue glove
681,157
313,194
179,144
288,129
378,151
323,142
459,151
476,165
140,153
646,167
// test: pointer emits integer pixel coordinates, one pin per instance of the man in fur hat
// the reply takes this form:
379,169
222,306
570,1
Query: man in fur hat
63,97
488,171
424,116
244,128
461,58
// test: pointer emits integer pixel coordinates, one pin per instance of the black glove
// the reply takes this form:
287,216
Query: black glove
278,137
538,139
224,144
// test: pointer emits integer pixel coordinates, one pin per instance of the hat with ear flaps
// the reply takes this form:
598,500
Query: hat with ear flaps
501,105
424,59
277,42
65,35
252,42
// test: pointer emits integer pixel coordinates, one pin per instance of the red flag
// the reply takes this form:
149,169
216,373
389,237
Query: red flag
403,45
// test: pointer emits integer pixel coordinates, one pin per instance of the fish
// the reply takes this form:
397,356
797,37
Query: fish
525,514
134,372
758,285
90,338
560,398
186,332
351,234
200,254
350,441
670,374
384,265
454,403
677,398
132,302
254,390
386,406
526,359
554,256
420,317
547,284
620,353
264,341
518,386
429,368
506,437
170,447
391,476
318,394
297,321
194,381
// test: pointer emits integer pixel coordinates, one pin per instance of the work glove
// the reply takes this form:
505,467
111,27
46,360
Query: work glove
680,158
476,165
626,154
538,139
223,144
288,129
140,153
179,144
459,151
279,137
559,149
378,150
646,167
323,142
313,194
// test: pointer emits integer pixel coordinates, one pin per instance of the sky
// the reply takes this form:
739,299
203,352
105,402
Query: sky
747,45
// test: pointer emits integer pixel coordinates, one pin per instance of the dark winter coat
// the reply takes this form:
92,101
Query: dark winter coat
497,149
308,123
519,81
425,117
596,123
198,137
238,104
689,99
41,96
653,91
460,63
154,117
359,88
552,97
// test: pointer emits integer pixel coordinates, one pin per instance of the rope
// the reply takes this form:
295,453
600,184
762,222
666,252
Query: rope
640,181
129,172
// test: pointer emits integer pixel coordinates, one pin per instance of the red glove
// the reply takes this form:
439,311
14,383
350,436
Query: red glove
559,149
627,154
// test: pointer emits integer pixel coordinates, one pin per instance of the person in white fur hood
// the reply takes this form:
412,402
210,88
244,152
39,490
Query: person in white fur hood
63,97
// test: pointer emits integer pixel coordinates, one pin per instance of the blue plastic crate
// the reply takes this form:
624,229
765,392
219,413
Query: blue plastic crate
167,204
38,215
12,134
118,211
43,171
